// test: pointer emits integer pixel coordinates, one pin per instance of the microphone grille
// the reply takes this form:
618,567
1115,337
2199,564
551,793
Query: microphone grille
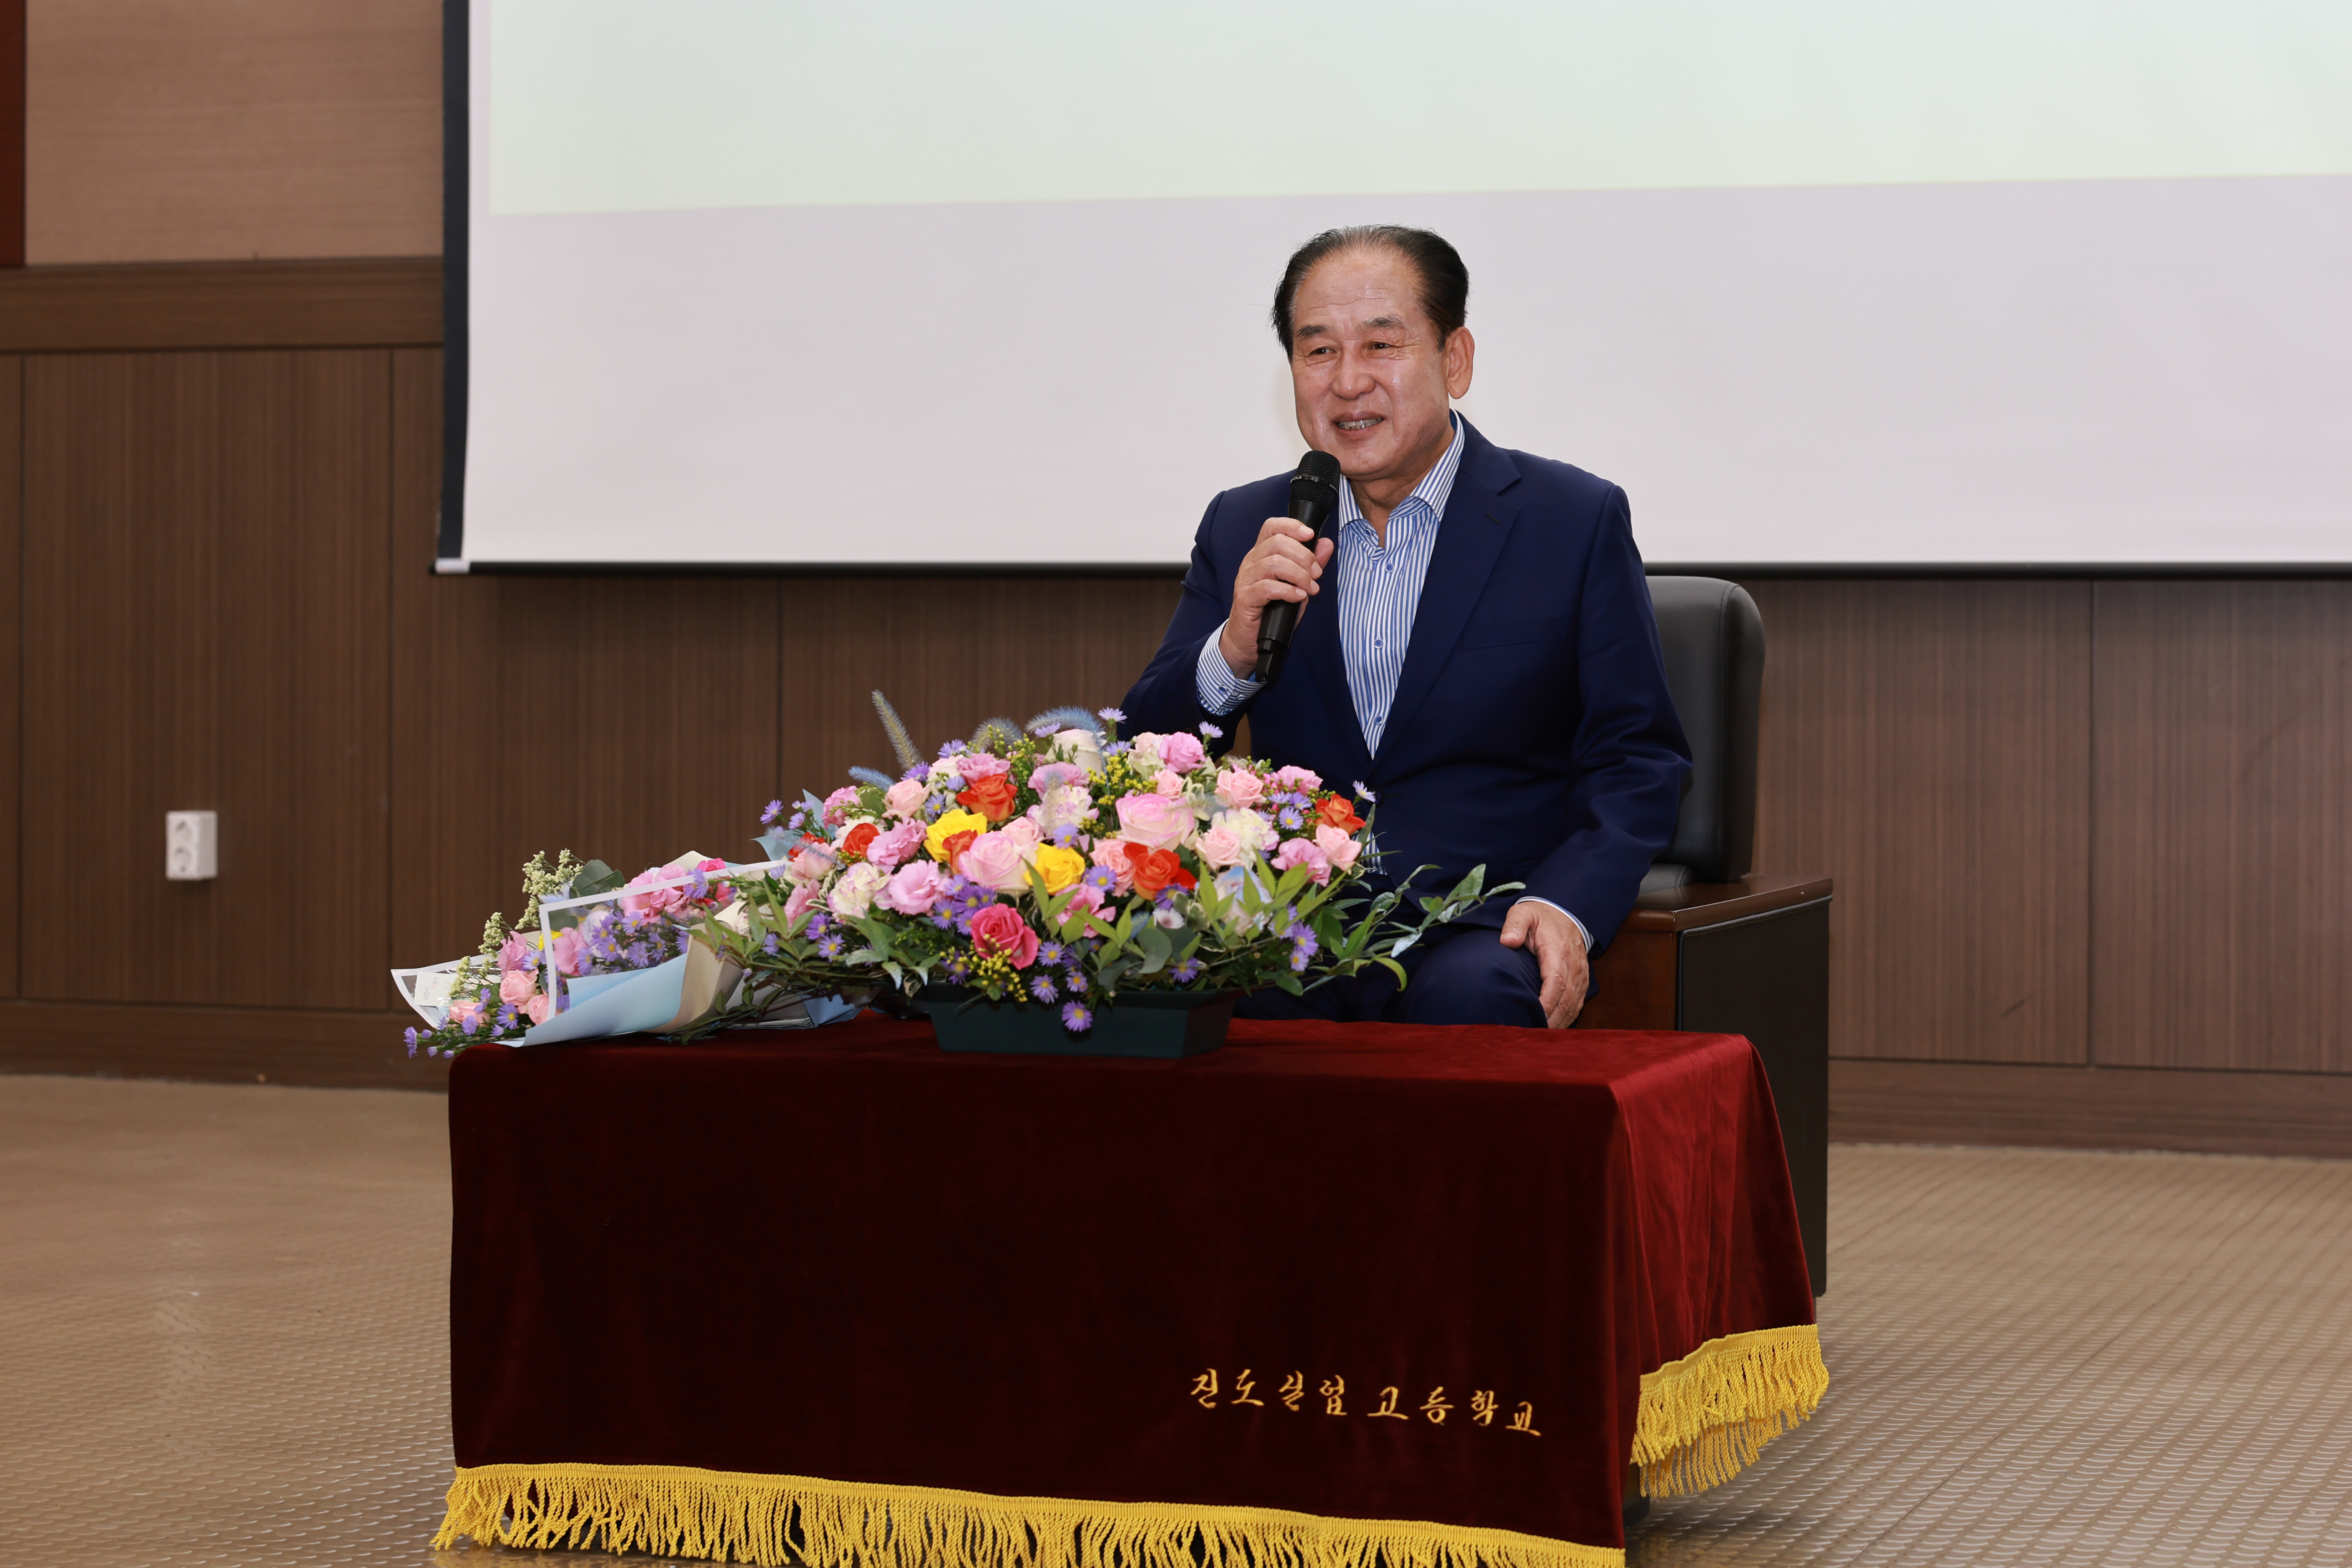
1321,467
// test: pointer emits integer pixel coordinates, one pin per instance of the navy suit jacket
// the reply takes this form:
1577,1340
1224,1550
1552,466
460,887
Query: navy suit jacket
1532,730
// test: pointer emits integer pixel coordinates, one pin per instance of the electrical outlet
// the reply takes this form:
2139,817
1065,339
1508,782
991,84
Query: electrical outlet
190,846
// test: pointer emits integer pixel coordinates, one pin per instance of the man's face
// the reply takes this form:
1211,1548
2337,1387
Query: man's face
1371,380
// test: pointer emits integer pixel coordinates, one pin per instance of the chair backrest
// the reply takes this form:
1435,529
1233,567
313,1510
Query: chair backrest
1714,643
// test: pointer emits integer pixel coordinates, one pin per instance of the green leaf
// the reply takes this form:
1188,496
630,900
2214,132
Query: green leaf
1289,982
1157,948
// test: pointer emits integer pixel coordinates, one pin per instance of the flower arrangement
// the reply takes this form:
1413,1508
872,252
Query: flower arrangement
1060,866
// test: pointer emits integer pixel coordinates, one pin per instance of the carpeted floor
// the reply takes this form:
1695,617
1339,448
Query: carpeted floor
221,1314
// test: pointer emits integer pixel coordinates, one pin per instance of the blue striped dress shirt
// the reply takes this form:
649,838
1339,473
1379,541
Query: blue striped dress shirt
1378,586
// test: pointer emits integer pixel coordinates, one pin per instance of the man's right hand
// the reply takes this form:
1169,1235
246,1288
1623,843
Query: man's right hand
1287,562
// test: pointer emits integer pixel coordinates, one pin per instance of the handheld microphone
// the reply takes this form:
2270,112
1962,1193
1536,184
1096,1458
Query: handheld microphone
1314,501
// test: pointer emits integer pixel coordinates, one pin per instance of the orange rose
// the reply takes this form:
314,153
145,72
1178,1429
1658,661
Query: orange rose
992,798
956,844
1335,812
1155,869
854,842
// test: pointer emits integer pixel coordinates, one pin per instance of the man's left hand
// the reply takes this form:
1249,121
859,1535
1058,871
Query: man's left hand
1559,954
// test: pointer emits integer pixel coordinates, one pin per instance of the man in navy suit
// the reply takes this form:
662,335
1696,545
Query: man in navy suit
1478,653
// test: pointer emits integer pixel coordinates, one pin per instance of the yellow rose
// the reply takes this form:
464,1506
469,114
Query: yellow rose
1059,867
949,824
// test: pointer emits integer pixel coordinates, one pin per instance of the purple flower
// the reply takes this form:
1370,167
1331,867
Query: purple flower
1303,947
1186,972
1368,794
1043,989
769,946
1210,730
831,946
1076,979
1111,715
1049,953
1289,817
411,1038
948,748
776,809
1076,1018
817,922
919,770
1100,878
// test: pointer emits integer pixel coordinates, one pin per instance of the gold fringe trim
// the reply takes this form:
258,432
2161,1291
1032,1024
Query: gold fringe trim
672,1511
1704,1418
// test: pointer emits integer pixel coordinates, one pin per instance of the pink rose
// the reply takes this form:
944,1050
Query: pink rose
811,863
1219,848
913,889
1300,852
804,897
1143,752
1110,854
538,1008
1055,775
653,901
1339,848
994,861
1303,780
839,805
1024,833
464,1011
516,986
998,929
1084,901
905,798
1168,784
1181,752
1154,820
890,850
977,765
519,950
570,951
1239,788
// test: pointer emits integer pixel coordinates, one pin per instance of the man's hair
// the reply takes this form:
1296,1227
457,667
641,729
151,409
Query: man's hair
1444,282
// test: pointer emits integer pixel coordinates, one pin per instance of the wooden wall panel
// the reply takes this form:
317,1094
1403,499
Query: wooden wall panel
630,719
189,129
205,626
950,652
2223,864
1928,743
12,606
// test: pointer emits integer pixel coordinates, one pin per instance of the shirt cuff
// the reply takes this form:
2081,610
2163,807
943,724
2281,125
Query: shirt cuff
1221,689
1531,899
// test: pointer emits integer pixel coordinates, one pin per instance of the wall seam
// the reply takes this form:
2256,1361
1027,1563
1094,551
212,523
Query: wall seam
2091,850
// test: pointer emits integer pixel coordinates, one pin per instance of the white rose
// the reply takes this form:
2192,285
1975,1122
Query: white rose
853,896
1250,829
1081,747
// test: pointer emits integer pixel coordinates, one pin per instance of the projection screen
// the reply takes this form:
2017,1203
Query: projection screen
1819,282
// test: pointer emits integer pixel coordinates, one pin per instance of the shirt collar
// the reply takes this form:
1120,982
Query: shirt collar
1435,488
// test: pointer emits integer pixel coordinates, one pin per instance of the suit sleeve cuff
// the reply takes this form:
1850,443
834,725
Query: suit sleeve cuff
1221,689
1550,905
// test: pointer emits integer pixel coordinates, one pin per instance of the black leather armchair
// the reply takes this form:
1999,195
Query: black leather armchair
1713,642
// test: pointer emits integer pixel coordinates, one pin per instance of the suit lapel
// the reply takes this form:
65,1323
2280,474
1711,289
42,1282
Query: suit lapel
1470,540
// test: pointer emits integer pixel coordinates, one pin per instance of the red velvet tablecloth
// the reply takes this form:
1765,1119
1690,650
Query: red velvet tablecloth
1332,1291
